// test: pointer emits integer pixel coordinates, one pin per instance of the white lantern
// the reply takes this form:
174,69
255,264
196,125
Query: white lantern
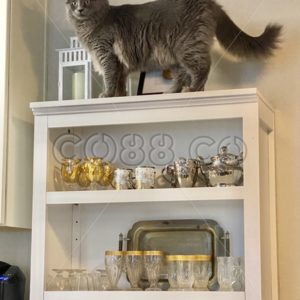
75,72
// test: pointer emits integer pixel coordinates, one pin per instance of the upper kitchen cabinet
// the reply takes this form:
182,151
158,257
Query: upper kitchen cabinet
22,53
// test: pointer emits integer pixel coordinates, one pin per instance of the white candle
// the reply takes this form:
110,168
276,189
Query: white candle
78,85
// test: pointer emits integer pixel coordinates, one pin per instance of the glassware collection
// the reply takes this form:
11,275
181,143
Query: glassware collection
78,280
185,273
223,169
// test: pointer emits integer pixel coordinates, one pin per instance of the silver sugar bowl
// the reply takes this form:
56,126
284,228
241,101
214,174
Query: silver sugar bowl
183,172
224,169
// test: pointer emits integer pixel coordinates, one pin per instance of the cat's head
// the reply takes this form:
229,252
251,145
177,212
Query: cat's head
84,9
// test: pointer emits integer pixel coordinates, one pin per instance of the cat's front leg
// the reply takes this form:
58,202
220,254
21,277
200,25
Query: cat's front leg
109,64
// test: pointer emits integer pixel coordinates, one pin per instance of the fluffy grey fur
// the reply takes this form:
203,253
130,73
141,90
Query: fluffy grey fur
164,34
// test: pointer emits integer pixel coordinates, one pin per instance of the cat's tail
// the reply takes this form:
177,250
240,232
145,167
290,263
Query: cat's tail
239,43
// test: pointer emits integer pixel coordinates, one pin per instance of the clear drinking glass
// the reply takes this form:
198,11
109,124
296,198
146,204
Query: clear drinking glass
59,282
239,276
202,272
134,268
226,272
82,280
152,262
114,263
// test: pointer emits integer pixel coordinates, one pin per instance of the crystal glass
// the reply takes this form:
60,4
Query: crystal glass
101,281
172,274
114,262
185,273
72,279
153,262
60,283
134,268
202,272
180,271
69,172
226,272
82,280
239,275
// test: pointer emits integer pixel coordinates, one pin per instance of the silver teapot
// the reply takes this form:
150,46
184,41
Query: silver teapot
224,169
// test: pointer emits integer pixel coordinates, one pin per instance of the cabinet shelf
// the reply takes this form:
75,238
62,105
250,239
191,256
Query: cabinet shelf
127,295
155,195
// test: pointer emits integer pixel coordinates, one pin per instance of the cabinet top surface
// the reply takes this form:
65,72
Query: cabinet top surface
207,98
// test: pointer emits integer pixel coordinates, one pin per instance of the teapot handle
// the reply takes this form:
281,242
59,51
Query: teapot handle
169,171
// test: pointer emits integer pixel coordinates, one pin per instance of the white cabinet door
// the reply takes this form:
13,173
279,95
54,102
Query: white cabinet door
3,102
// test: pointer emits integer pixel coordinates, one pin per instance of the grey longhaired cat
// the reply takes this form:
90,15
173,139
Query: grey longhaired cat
164,34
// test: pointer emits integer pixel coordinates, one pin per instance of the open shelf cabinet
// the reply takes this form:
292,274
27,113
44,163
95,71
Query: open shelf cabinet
174,124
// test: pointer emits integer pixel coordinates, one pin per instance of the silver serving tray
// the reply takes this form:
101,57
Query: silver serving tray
179,237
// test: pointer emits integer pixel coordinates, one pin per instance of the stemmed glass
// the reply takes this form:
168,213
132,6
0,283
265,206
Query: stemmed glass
114,263
153,261
134,268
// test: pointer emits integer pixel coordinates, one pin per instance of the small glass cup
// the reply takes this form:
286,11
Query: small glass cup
202,272
69,172
134,268
60,283
153,262
239,275
226,272
114,263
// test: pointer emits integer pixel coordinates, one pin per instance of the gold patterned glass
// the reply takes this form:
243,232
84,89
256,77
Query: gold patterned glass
114,263
134,268
153,262
202,272
108,174
90,171
69,171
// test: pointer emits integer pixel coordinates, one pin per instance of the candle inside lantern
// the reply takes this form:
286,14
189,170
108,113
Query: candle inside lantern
78,85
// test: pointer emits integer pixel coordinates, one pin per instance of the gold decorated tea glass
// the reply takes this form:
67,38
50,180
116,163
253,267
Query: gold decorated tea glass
69,171
114,263
153,262
90,171
202,271
180,271
134,268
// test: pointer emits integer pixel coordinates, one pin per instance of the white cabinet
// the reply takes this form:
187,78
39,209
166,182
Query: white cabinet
183,124
21,81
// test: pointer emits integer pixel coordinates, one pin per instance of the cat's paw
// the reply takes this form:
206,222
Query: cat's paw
105,95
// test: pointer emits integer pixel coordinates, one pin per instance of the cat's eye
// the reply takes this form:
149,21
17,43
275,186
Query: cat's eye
74,3
87,2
